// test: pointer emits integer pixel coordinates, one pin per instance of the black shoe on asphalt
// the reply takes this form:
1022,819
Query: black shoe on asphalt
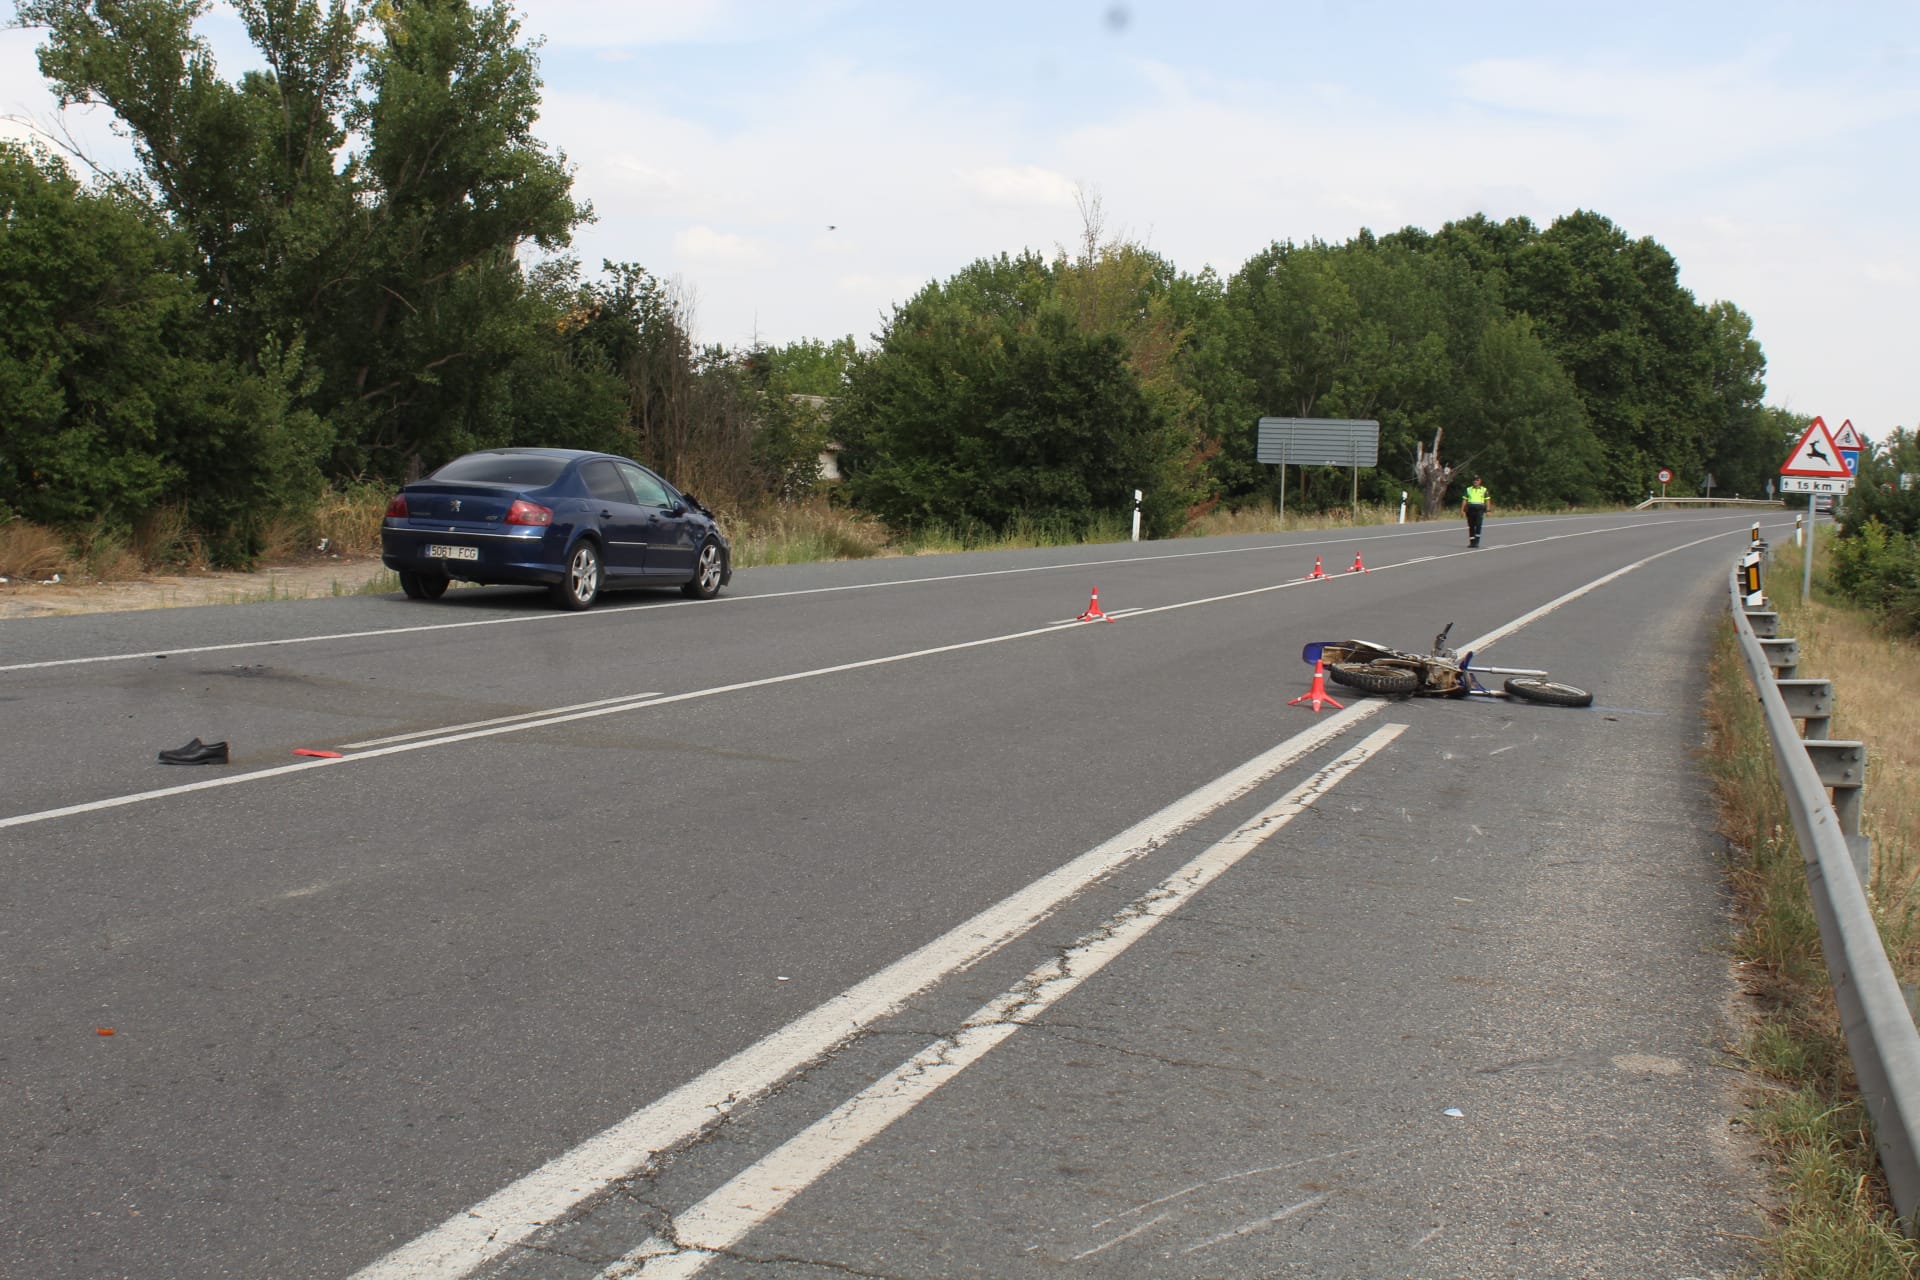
196,752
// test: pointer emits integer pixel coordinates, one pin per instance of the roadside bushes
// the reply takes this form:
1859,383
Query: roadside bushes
114,396
1880,568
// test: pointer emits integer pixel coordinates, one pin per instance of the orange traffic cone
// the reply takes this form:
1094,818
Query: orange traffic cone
1318,572
1318,693
1357,566
1093,613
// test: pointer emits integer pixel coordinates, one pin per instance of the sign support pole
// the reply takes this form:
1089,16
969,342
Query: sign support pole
1806,572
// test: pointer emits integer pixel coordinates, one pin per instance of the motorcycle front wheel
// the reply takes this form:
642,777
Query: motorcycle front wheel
1550,692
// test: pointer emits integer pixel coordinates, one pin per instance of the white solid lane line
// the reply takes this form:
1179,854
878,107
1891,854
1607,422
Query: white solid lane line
520,726
724,1218
471,1239
623,699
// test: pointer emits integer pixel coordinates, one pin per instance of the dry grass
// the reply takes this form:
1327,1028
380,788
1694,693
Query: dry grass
802,533
109,557
1876,694
164,538
1261,517
29,553
1837,1220
346,520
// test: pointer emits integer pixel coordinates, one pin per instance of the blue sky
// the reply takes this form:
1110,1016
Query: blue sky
1771,148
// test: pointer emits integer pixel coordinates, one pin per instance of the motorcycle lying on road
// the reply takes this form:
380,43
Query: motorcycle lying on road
1375,668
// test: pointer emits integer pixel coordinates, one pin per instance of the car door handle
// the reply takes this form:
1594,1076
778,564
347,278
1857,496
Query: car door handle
605,514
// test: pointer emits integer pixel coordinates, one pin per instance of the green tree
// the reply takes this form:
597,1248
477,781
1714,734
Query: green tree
1743,446
1878,494
1118,288
1637,345
90,302
808,366
395,263
1417,338
986,405
115,398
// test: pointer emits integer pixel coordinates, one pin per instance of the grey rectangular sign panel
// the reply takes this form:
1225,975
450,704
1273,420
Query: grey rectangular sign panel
1319,442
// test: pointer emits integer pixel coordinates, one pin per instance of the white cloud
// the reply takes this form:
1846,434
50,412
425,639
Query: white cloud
722,248
867,286
600,24
1022,185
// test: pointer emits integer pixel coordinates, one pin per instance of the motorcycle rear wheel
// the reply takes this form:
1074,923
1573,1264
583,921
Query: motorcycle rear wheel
1374,677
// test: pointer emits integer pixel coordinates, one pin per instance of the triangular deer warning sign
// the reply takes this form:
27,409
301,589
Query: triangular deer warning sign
1846,437
1816,455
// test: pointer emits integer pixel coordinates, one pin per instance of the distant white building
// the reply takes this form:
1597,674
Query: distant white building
829,456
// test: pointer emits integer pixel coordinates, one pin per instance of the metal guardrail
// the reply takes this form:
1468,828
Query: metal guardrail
1879,1025
1710,502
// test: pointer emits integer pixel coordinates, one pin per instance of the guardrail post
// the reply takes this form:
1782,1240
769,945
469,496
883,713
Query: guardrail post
1842,766
1808,700
1782,655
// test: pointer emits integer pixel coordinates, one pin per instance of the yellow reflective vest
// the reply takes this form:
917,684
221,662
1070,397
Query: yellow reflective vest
1477,495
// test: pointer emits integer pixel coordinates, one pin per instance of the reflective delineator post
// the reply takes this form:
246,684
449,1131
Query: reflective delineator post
1797,525
1750,593
1403,506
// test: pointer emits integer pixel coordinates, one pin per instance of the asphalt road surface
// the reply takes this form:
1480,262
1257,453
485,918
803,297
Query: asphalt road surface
880,919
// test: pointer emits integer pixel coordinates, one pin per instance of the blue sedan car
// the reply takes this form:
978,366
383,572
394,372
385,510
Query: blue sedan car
574,522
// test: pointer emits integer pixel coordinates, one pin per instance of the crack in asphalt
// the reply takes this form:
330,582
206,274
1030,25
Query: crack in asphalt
1092,1041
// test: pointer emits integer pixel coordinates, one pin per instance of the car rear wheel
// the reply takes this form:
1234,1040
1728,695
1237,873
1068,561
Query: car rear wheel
423,586
581,587
709,568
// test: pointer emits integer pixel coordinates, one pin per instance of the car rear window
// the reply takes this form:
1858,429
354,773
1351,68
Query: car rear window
531,470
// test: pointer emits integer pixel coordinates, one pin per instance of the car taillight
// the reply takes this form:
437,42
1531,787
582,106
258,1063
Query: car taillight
397,509
524,512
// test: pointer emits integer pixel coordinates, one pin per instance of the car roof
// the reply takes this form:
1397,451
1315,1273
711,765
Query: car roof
544,453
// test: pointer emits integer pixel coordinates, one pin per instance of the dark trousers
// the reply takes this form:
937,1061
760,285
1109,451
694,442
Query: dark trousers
1476,515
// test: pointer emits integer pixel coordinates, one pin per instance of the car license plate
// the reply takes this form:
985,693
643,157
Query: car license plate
439,552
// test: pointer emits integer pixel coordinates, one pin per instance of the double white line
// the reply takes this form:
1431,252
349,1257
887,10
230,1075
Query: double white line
724,1218
512,1215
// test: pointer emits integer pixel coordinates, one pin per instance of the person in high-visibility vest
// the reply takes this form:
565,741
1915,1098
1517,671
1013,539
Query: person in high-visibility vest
1474,508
